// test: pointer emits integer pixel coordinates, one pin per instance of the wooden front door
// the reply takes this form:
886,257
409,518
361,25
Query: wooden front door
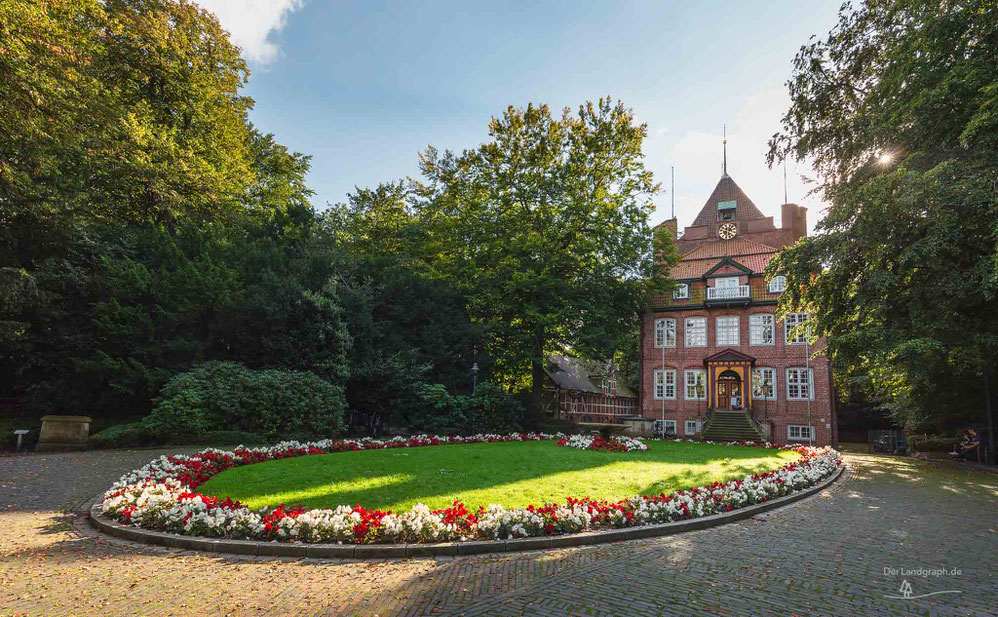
726,390
723,397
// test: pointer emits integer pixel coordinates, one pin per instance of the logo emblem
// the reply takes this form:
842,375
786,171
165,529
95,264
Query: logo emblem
907,593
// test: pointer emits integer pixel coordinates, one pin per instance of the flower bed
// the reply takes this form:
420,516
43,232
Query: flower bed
592,442
161,496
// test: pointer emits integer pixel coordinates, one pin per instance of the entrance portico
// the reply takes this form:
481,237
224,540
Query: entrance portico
729,380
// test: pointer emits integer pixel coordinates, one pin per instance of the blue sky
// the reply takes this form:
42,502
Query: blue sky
365,86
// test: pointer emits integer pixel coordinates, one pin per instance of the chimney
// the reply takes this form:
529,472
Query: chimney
665,229
794,217
669,226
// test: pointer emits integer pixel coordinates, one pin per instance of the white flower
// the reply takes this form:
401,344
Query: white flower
160,495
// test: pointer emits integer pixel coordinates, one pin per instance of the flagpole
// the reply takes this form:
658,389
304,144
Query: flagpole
665,341
810,383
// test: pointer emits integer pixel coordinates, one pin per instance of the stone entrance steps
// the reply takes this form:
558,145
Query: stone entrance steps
730,426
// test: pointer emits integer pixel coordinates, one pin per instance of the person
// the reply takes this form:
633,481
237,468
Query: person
971,443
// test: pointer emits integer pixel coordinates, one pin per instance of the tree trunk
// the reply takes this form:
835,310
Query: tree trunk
988,410
536,389
535,412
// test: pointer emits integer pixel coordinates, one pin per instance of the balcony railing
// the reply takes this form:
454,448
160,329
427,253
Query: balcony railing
727,293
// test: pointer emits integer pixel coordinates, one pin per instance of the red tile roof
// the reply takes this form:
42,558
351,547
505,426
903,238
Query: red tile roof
749,253
729,248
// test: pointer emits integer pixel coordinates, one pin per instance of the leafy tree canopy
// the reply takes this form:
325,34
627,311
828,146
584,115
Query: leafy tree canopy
146,228
545,228
124,111
897,108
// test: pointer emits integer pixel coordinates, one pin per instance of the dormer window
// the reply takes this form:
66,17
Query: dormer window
681,292
777,284
726,210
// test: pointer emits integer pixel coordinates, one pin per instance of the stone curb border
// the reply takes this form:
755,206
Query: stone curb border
452,549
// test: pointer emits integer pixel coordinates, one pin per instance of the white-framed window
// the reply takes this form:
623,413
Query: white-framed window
800,384
727,331
681,292
692,427
728,282
696,331
764,384
762,329
777,284
696,385
796,432
667,425
665,332
792,321
665,384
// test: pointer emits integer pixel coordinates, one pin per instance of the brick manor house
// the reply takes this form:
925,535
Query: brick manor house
715,358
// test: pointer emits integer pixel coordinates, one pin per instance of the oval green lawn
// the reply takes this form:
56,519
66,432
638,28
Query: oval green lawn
512,474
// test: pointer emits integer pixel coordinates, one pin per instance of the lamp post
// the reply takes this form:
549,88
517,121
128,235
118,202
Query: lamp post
474,378
665,341
810,383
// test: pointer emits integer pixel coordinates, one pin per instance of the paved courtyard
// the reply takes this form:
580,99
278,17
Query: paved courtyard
825,555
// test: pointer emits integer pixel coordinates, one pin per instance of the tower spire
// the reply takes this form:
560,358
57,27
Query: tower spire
724,148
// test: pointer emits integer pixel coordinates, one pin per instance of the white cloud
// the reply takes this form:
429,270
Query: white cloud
251,22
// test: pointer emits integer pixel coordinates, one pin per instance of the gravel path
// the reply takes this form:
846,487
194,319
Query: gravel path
839,553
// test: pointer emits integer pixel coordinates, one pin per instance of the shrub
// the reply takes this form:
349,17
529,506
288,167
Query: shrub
233,438
932,443
559,425
489,410
226,396
132,435
137,435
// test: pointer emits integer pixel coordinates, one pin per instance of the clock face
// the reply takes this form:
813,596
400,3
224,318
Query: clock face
727,231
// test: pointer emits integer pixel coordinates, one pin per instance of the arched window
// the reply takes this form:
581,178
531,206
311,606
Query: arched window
777,284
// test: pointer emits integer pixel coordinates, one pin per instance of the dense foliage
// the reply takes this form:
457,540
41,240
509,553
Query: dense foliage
898,111
490,410
543,228
149,232
138,434
228,396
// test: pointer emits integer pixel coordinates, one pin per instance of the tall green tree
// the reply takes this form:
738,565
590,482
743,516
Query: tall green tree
545,229
409,327
99,326
126,167
407,330
116,112
897,109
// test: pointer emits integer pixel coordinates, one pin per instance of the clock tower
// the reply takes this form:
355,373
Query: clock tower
717,360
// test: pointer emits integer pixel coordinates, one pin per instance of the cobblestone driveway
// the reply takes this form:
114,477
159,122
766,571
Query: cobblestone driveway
823,556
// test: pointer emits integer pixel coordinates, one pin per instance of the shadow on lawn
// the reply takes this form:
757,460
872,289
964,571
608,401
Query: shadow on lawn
692,478
435,475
